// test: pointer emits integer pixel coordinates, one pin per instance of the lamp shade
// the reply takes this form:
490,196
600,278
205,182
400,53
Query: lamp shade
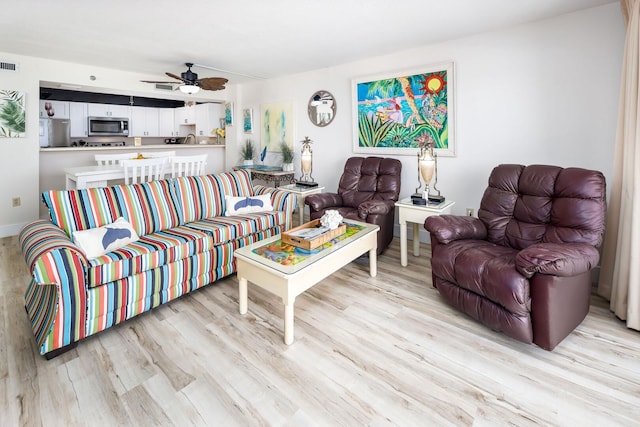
189,89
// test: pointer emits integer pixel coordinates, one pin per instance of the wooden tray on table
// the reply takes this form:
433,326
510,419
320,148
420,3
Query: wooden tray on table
296,237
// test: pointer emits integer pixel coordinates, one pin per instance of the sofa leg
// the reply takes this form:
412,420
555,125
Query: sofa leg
57,352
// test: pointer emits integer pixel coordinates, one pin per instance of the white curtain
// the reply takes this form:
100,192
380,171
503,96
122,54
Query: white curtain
620,273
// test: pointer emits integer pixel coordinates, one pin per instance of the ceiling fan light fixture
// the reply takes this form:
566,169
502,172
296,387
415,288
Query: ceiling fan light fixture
189,89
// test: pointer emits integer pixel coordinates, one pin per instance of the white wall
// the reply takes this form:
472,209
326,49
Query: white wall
539,93
544,92
19,162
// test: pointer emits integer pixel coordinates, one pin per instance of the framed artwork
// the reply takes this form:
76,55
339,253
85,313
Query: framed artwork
276,125
400,112
247,120
228,113
12,114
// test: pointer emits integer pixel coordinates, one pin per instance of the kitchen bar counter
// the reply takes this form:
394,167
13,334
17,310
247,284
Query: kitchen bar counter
54,160
131,147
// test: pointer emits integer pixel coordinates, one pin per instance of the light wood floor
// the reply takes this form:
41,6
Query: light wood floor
367,351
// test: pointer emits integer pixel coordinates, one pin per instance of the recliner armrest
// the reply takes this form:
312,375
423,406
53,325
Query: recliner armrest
375,207
317,202
448,228
558,259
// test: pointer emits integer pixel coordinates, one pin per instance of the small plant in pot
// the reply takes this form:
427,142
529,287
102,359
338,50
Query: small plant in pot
248,152
287,156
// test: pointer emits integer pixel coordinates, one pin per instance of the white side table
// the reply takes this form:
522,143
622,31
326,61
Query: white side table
408,212
302,193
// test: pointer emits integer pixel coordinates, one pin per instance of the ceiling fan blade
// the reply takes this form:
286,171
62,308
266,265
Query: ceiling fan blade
177,77
212,83
230,72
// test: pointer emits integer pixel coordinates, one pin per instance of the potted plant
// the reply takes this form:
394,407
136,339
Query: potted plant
248,152
287,156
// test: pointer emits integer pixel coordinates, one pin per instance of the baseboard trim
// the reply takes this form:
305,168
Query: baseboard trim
11,229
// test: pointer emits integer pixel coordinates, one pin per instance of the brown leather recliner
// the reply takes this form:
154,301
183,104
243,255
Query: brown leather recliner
523,267
367,191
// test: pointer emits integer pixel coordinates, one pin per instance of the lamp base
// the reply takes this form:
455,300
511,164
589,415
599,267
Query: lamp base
306,183
436,199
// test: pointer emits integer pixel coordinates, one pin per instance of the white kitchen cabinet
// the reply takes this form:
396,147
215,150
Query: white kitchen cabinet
78,119
54,109
108,110
167,122
144,121
185,115
207,118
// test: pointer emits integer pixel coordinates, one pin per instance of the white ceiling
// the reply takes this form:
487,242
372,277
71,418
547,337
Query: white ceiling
268,38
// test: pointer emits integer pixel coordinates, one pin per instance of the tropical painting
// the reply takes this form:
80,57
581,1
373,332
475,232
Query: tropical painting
277,125
400,113
12,114
228,113
247,120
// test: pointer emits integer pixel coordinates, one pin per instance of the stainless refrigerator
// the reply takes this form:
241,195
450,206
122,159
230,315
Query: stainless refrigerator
55,133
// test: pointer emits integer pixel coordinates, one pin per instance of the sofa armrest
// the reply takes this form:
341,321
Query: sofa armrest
281,200
558,259
375,207
448,228
56,299
320,201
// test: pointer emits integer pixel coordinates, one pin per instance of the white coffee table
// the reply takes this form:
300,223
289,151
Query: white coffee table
289,281
301,193
408,212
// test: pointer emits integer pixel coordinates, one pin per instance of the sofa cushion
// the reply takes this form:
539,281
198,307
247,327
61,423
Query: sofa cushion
228,228
98,241
200,197
148,206
149,252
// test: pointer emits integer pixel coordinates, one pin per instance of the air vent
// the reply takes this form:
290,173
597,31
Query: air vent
161,86
8,66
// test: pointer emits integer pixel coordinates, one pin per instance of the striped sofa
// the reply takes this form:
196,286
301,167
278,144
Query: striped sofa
185,242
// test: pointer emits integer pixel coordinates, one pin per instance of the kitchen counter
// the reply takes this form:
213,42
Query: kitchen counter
132,147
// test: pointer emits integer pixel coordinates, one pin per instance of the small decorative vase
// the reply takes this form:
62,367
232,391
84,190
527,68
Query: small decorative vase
248,162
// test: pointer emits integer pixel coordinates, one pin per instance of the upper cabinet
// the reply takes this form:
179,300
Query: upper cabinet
207,118
144,122
185,115
54,109
167,123
78,122
109,110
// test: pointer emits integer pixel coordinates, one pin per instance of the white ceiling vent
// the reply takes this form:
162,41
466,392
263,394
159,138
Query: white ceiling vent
9,66
162,86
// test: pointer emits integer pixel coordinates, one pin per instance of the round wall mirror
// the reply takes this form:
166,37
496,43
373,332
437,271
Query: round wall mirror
322,108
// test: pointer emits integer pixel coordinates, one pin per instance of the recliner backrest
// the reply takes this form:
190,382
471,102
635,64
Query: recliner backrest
524,205
369,178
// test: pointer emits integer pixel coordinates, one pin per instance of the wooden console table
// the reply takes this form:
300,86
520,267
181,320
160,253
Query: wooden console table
269,174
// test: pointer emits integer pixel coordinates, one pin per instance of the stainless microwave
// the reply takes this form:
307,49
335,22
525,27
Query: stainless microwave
108,126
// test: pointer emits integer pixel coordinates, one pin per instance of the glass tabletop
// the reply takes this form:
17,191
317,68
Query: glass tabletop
288,259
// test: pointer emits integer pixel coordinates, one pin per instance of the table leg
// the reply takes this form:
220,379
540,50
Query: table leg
242,295
403,243
288,322
416,239
301,209
373,262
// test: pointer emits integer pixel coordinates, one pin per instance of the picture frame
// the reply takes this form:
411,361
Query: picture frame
228,113
397,113
276,125
247,120
12,113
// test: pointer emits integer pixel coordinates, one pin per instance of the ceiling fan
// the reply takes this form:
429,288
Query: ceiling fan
191,83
